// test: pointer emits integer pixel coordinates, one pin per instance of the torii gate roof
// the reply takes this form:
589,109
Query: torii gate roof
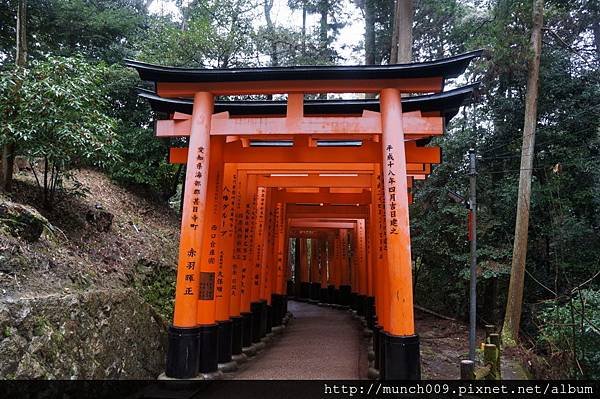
418,77
449,67
446,103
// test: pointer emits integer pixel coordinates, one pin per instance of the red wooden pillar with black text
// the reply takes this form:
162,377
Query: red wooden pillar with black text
400,343
183,353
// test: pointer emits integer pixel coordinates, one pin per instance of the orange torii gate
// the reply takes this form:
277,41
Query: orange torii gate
238,202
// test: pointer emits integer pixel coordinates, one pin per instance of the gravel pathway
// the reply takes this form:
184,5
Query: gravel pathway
319,343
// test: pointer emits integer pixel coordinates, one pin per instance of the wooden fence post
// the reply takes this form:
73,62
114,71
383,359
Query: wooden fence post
467,370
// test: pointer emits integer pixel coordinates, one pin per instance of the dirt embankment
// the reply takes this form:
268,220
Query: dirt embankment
74,303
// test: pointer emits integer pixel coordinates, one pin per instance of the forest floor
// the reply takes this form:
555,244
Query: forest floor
73,255
444,343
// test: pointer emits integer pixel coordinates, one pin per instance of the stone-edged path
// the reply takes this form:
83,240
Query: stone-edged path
319,343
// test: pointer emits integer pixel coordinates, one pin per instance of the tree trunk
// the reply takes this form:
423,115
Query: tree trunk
303,30
369,37
323,42
512,318
402,34
596,30
8,150
324,11
271,31
369,33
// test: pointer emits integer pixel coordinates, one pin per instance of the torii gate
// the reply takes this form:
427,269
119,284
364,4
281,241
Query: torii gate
235,223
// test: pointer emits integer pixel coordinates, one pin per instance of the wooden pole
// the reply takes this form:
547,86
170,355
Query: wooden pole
512,318
467,370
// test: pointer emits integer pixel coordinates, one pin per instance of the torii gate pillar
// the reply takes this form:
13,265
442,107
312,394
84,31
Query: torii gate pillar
183,352
401,344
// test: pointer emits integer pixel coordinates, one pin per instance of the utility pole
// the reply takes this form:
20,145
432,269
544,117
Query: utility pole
514,304
473,237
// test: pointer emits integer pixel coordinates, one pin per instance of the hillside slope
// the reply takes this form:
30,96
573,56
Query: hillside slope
76,280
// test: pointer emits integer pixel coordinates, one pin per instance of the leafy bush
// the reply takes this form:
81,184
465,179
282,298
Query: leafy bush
142,160
54,111
571,331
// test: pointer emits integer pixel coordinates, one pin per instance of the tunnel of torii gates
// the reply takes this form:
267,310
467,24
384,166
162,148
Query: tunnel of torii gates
333,175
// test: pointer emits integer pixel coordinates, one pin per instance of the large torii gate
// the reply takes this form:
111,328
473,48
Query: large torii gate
250,167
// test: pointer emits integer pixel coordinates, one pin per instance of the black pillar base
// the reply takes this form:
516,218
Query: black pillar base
402,358
304,290
276,310
269,322
370,311
209,348
256,310
344,295
361,304
237,327
246,329
382,336
315,291
354,301
376,342
285,305
263,318
324,295
290,288
182,354
331,294
225,340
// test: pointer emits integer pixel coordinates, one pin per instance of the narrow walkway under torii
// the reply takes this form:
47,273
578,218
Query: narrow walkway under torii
298,198
320,343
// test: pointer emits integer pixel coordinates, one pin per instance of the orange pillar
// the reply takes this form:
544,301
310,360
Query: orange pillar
248,208
344,276
237,281
268,268
227,229
361,269
182,356
323,265
206,310
279,301
353,268
228,304
344,269
304,271
315,277
401,344
228,328
335,261
212,334
259,244
287,265
241,285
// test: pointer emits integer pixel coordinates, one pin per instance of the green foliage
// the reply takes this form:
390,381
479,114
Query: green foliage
211,34
156,284
564,208
55,113
571,332
97,29
142,159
